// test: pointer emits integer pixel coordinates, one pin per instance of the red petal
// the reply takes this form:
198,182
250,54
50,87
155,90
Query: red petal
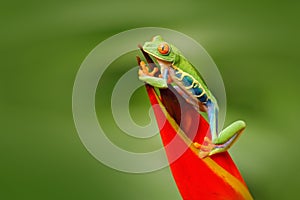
214,177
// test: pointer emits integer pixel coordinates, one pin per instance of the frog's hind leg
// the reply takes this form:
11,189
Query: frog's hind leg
222,141
228,136
212,112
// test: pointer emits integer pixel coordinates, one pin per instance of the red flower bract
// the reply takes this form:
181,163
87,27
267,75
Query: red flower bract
211,178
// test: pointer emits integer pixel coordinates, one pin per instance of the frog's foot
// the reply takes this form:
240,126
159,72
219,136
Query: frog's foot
144,70
151,77
205,148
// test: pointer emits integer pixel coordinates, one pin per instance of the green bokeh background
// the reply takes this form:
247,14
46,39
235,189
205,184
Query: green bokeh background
42,43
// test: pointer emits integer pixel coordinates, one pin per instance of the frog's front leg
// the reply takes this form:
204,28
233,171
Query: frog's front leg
148,77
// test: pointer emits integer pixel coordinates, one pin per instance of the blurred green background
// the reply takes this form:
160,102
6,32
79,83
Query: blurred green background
254,44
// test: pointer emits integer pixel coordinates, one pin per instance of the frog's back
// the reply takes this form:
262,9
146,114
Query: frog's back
182,63
192,80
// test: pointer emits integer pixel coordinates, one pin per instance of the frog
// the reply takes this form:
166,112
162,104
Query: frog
177,72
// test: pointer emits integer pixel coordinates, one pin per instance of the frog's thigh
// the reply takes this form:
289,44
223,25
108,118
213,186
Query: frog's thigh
231,131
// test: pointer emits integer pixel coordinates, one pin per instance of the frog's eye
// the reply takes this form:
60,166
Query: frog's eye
164,48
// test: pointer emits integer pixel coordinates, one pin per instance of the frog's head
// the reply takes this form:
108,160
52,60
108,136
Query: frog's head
161,50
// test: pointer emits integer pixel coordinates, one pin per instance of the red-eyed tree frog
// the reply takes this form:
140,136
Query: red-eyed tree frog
178,72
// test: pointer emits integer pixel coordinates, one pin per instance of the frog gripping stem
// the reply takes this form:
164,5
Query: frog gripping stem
213,177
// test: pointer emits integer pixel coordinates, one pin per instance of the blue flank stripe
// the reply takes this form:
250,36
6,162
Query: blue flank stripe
187,81
178,74
196,91
203,98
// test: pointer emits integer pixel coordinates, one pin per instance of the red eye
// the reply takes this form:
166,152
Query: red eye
163,48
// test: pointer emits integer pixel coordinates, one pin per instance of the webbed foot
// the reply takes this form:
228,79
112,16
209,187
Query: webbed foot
144,70
205,148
